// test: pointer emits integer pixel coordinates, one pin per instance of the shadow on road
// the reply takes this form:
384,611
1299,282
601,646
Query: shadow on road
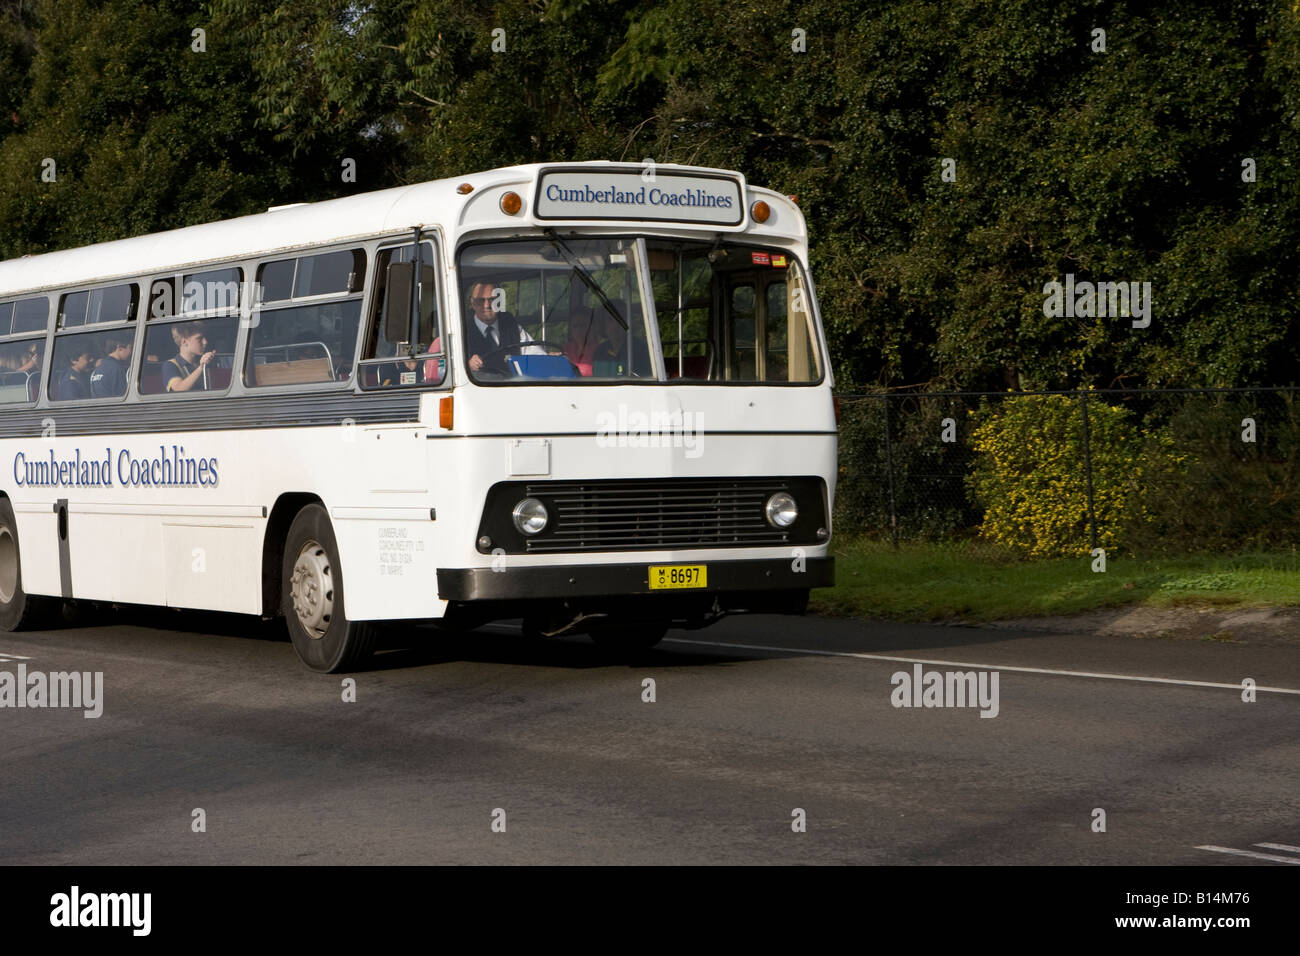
400,646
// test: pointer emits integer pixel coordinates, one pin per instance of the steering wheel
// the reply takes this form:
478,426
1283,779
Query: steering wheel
552,348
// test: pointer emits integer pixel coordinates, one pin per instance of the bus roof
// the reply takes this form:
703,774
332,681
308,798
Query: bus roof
294,226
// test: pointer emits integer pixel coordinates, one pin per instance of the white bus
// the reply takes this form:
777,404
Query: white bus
591,396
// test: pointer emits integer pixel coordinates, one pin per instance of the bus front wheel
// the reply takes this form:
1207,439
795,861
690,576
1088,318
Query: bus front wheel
312,598
19,611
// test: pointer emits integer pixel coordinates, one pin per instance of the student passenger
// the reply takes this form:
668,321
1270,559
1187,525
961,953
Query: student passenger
185,372
109,379
32,360
406,365
71,383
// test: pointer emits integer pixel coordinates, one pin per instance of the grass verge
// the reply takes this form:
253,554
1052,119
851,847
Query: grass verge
977,582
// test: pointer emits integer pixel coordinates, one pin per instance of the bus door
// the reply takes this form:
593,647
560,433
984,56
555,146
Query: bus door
756,334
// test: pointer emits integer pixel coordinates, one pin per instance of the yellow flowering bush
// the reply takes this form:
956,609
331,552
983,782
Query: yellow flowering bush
1030,477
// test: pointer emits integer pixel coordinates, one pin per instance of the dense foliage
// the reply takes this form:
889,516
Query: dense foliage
927,481
1123,164
1234,484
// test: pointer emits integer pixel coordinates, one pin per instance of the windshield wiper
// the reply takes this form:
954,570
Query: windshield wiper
585,276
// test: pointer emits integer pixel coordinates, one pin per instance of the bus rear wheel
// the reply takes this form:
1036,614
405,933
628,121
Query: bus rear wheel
312,598
19,611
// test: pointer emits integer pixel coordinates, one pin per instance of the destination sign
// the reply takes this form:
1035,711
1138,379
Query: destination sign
663,196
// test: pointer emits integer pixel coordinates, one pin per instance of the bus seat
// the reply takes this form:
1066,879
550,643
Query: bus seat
13,388
34,387
434,369
151,379
218,379
294,372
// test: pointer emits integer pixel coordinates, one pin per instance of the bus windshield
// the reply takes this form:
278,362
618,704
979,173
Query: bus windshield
570,308
555,308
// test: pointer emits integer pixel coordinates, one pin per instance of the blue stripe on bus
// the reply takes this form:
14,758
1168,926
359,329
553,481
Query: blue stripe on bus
249,412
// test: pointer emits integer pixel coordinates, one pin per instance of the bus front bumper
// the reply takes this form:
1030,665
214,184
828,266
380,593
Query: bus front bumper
619,580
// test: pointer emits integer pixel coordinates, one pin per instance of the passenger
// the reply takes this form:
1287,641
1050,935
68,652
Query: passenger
186,371
611,358
31,362
71,383
407,370
434,368
109,379
488,332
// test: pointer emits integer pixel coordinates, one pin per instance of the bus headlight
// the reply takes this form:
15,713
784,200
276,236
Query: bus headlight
530,516
781,510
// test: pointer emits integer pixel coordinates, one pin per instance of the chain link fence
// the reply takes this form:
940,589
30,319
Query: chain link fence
1172,471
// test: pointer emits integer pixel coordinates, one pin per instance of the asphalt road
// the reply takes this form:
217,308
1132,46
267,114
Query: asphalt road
751,720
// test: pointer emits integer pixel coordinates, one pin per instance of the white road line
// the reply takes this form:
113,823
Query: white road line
988,667
13,657
1279,846
513,629
1252,854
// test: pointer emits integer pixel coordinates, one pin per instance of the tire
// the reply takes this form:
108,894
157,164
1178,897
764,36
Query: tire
19,611
312,598
627,636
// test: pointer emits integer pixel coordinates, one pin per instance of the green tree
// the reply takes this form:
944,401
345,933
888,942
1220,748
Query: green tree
1117,165
144,133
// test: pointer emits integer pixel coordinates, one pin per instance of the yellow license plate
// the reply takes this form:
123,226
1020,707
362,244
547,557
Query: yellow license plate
665,577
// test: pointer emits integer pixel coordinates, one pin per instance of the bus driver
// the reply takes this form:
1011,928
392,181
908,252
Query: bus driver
489,330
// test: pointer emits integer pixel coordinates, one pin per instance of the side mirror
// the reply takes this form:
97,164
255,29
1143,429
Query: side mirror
397,301
428,303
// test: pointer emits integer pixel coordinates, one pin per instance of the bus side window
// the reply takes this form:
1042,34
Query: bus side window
303,344
21,358
20,365
306,320
92,364
79,370
173,353
388,362
31,315
99,306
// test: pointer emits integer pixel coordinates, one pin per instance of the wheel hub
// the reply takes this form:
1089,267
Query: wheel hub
313,590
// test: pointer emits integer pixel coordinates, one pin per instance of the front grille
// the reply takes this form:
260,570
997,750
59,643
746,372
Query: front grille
636,515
